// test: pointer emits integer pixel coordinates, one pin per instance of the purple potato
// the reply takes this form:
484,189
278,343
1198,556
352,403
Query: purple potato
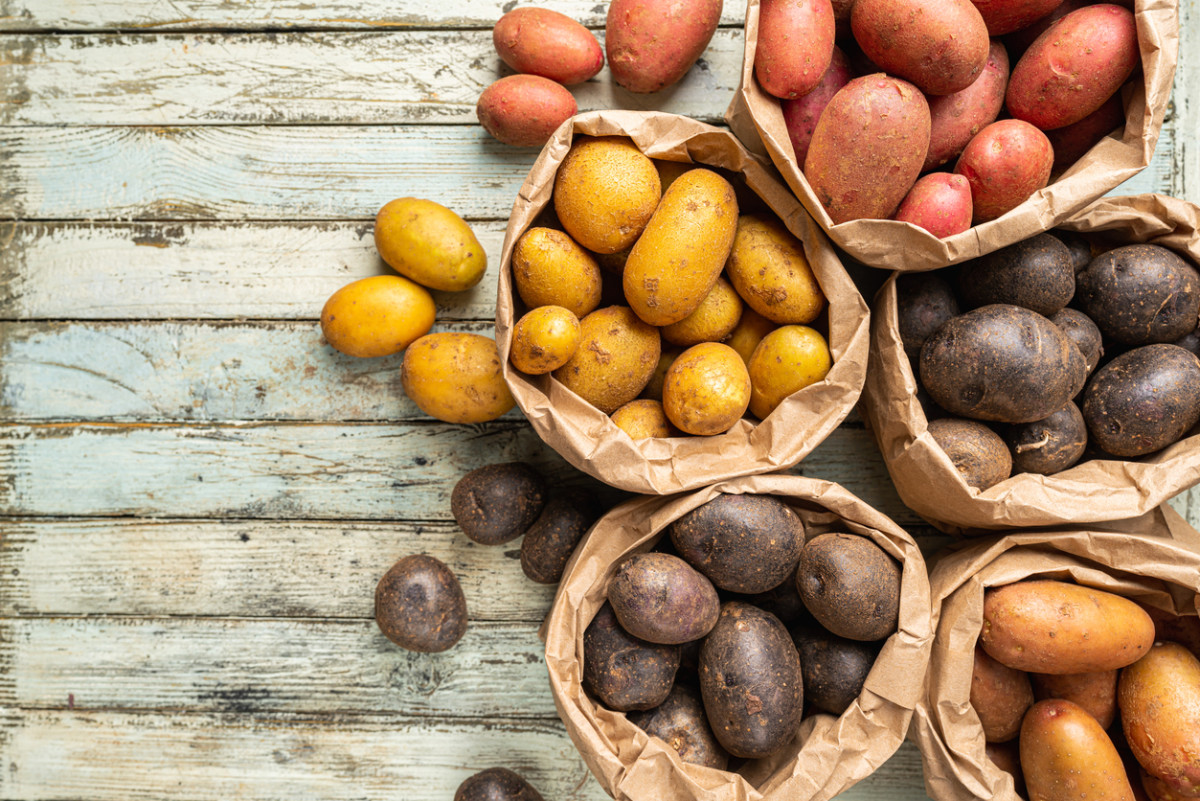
663,599
624,672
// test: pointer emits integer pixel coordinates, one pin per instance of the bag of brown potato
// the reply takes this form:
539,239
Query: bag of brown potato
667,462
757,117
1151,560
1094,489
827,753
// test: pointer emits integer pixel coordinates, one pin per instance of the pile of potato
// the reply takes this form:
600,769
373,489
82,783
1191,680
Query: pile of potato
1115,375
1086,655
716,640
640,252
935,81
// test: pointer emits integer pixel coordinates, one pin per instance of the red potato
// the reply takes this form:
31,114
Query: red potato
868,147
939,202
1018,42
801,115
651,44
1072,141
524,110
1006,16
1072,68
1005,163
939,45
955,118
795,45
538,41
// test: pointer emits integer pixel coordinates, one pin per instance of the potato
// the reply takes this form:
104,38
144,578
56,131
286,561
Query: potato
544,340
955,118
750,330
800,115
1006,16
651,44
496,784
1143,400
617,354
524,110
924,303
1080,329
1095,692
428,243
679,256
939,45
1071,142
1048,446
1048,626
1159,696
707,389
712,321
784,602
1141,294
1066,756
834,668
550,269
420,606
851,586
1155,789
542,42
644,418
668,171
742,543
939,202
625,673
552,538
1080,247
1000,696
1036,273
770,270
786,361
977,452
498,502
1077,64
455,378
751,682
1019,41
377,316
1002,363
874,132
680,722
1007,757
654,387
1006,162
795,46
605,192
660,598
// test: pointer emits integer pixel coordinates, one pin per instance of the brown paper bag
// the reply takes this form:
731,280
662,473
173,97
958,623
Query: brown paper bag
755,115
585,436
1153,560
828,754
1090,491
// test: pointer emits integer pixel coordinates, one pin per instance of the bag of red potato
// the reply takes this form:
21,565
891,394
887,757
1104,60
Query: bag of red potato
586,436
1151,560
827,754
886,243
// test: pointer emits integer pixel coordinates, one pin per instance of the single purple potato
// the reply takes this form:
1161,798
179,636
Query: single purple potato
420,606
626,673
1006,162
524,110
924,303
1081,330
851,586
976,451
939,202
795,45
1048,446
538,41
834,667
662,599
498,502
496,784
1035,273
680,722
1141,294
552,538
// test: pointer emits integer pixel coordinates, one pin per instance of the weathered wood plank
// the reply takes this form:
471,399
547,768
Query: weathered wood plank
244,568
290,78
204,270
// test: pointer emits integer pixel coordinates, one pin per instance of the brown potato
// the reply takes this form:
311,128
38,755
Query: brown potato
1080,329
419,605
1007,757
1096,693
707,389
1183,629
496,784
552,538
1006,162
605,192
617,354
770,270
751,682
625,673
544,340
939,202
1141,294
955,118
851,586
498,502
550,269
1036,273
524,110
795,46
456,377
1048,446
377,316
651,44
644,418
924,303
1159,697
542,42
939,45
1066,756
1055,627
977,452
712,321
661,598
834,668
743,543
786,361
1000,697
681,723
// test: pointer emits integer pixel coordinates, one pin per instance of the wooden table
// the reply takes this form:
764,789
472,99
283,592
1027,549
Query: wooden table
198,496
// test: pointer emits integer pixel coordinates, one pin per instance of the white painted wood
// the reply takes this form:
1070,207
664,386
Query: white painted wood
287,78
245,568
275,270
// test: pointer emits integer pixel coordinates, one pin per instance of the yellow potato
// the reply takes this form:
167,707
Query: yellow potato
616,356
430,244
786,360
749,332
544,339
707,389
770,271
605,192
642,419
712,321
550,269
377,316
668,171
455,378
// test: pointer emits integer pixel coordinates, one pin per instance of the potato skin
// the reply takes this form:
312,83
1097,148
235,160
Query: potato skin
750,679
786,360
681,723
552,538
851,586
1006,162
743,543
1000,697
1141,294
542,42
939,45
1048,446
1036,273
1071,142
544,340
1095,693
939,202
624,672
874,132
1007,757
770,271
712,321
524,110
377,316
1066,756
955,118
1081,330
1006,16
605,192
1159,697
420,606
651,44
924,303
550,269
644,418
978,452
795,46
617,354
662,599
456,378
707,389
1055,627
1071,69
498,502
430,244
834,667
496,784
680,254
749,331
801,114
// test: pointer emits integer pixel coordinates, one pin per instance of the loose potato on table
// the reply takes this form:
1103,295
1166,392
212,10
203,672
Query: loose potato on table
1159,697
661,598
795,46
377,316
524,110
616,356
456,378
430,244
624,672
496,784
542,42
851,586
651,44
498,502
420,606
1066,756
550,269
770,270
605,192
